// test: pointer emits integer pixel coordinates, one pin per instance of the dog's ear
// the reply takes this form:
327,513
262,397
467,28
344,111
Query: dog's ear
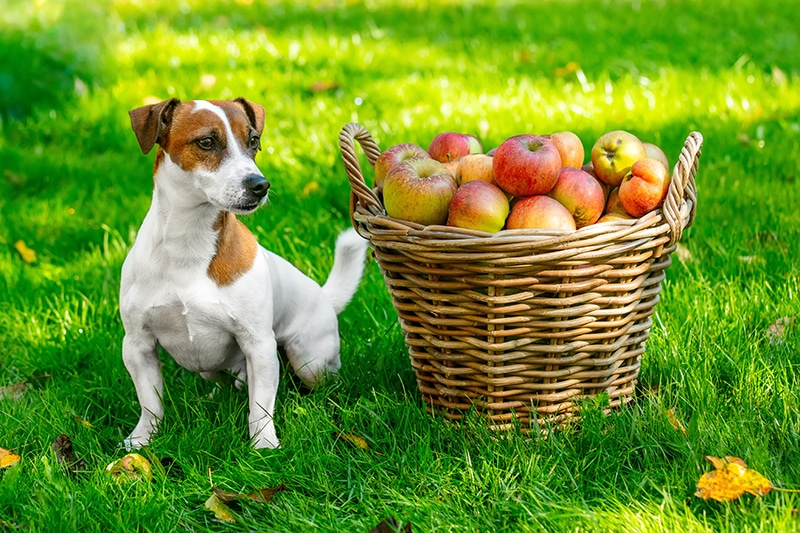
255,113
150,121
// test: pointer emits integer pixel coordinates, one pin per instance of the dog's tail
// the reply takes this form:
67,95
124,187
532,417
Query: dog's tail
348,266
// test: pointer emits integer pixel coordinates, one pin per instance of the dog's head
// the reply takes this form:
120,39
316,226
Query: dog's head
211,145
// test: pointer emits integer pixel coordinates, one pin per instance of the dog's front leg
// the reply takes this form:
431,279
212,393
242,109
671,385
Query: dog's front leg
263,374
141,360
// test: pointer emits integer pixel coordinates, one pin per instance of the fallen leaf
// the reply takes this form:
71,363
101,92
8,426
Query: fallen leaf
18,180
324,86
260,496
731,479
675,422
391,525
353,439
567,69
311,186
13,391
775,332
28,255
683,254
82,421
220,510
8,458
131,467
66,455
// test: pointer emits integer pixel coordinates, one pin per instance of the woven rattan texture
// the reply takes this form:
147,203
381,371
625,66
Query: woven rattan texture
523,324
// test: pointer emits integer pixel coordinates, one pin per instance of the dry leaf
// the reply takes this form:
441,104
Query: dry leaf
131,467
28,255
311,186
353,439
260,496
82,421
567,69
775,332
683,254
8,458
675,422
220,510
324,86
731,479
391,525
13,391
66,455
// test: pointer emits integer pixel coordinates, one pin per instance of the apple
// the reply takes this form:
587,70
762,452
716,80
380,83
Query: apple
479,205
539,211
526,165
569,147
452,166
612,204
616,215
613,155
644,187
419,190
449,145
391,157
654,152
475,167
581,194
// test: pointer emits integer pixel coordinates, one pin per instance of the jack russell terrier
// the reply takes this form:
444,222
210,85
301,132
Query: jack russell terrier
197,283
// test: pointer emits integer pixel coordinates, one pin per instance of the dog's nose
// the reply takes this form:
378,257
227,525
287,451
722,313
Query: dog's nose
257,185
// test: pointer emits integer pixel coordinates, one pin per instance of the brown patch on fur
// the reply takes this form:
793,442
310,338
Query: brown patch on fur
236,250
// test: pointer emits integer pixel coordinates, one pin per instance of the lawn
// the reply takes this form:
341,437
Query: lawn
75,187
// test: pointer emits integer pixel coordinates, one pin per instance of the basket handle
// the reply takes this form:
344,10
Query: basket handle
683,187
360,191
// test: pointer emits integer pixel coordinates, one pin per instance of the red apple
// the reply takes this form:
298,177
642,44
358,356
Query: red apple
654,152
644,187
581,194
613,155
539,212
569,147
419,190
526,165
479,205
475,167
449,145
391,157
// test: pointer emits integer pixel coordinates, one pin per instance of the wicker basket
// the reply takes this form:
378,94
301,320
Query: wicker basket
522,325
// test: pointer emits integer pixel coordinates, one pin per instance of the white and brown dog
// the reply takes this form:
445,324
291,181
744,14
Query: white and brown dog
197,283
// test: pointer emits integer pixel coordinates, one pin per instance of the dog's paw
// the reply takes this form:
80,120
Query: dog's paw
262,443
135,442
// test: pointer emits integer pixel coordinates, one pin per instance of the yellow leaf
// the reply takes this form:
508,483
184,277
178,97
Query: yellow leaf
675,422
220,510
311,187
353,439
8,458
28,255
731,479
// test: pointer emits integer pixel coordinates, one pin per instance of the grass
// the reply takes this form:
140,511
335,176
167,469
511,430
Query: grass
75,189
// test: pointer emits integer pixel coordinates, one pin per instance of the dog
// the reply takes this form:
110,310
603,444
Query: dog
197,283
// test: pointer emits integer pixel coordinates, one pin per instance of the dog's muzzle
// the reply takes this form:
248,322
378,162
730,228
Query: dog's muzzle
256,185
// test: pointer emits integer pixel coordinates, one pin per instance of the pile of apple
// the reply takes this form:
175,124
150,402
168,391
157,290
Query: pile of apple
528,181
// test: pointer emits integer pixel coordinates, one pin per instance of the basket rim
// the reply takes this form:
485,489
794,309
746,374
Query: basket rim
675,215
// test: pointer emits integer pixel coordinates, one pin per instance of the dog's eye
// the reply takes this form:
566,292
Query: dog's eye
206,143
255,142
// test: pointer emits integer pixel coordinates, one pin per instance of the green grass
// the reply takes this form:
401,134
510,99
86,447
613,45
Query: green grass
75,188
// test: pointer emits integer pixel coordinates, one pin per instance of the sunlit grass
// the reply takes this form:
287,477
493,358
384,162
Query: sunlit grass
75,188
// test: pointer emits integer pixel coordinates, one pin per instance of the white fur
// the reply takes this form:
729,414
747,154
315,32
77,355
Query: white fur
168,299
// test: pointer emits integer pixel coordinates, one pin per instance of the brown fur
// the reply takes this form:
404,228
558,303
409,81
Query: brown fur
236,250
